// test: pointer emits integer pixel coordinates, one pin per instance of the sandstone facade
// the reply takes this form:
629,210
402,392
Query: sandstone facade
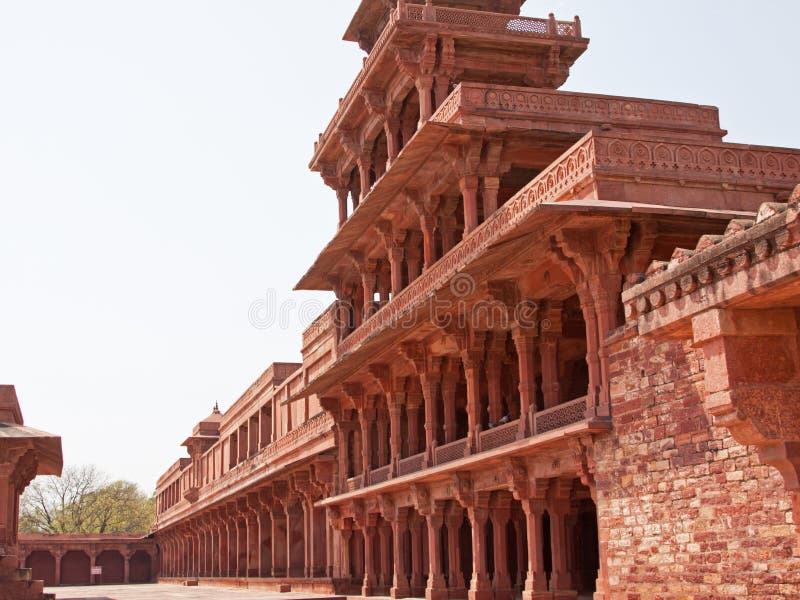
527,384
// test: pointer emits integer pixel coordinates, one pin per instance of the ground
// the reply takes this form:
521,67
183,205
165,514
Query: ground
168,592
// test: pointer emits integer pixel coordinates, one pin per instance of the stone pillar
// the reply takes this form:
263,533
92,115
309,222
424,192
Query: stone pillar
242,531
501,582
450,379
417,580
391,127
396,256
385,536
427,223
399,521
341,196
412,416
58,554
453,520
442,89
383,437
364,162
561,578
366,417
535,580
424,85
413,255
525,343
265,539
494,372
126,577
548,350
429,380
232,543
346,573
472,359
93,562
370,580
491,188
395,429
480,587
469,192
437,586
222,559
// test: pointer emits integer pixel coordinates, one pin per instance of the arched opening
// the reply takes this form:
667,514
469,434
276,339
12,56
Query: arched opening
140,567
75,568
43,566
113,567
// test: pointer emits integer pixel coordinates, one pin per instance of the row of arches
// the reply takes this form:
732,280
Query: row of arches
74,567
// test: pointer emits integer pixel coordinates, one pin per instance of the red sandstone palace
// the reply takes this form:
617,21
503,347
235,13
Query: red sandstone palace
563,357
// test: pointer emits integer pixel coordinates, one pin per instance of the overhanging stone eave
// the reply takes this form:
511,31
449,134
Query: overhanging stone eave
523,447
408,162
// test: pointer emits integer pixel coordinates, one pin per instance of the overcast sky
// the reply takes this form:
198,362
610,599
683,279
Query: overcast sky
154,185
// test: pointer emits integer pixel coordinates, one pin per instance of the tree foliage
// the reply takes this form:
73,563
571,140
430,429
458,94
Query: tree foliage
82,500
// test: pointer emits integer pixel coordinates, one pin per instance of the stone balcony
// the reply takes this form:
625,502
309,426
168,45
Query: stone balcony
314,433
548,429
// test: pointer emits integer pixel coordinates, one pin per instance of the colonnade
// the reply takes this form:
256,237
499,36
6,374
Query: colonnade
489,546
267,533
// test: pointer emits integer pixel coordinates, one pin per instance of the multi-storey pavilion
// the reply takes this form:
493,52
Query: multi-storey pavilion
488,225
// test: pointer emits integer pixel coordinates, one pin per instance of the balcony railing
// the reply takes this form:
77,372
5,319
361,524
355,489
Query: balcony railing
544,421
380,474
499,436
450,452
412,464
559,416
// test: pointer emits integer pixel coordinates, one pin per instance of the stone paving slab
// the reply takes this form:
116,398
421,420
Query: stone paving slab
170,592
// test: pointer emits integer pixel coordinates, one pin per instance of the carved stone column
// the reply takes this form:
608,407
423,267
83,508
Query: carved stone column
561,579
480,587
454,518
450,378
469,192
417,579
385,537
437,586
500,514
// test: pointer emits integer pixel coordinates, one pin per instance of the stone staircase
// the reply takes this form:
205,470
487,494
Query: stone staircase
18,584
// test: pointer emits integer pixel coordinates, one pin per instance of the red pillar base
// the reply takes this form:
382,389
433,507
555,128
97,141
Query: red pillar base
400,592
565,594
528,595
436,594
459,593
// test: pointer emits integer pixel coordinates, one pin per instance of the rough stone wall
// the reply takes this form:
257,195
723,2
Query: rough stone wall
685,511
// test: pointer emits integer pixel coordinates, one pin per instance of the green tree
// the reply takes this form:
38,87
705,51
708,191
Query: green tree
82,500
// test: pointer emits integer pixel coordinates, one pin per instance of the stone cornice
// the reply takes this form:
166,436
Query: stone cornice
695,280
512,102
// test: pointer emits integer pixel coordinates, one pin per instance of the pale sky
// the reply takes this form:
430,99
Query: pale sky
154,185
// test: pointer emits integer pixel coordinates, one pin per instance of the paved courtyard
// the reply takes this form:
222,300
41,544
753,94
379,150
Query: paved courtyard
168,592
